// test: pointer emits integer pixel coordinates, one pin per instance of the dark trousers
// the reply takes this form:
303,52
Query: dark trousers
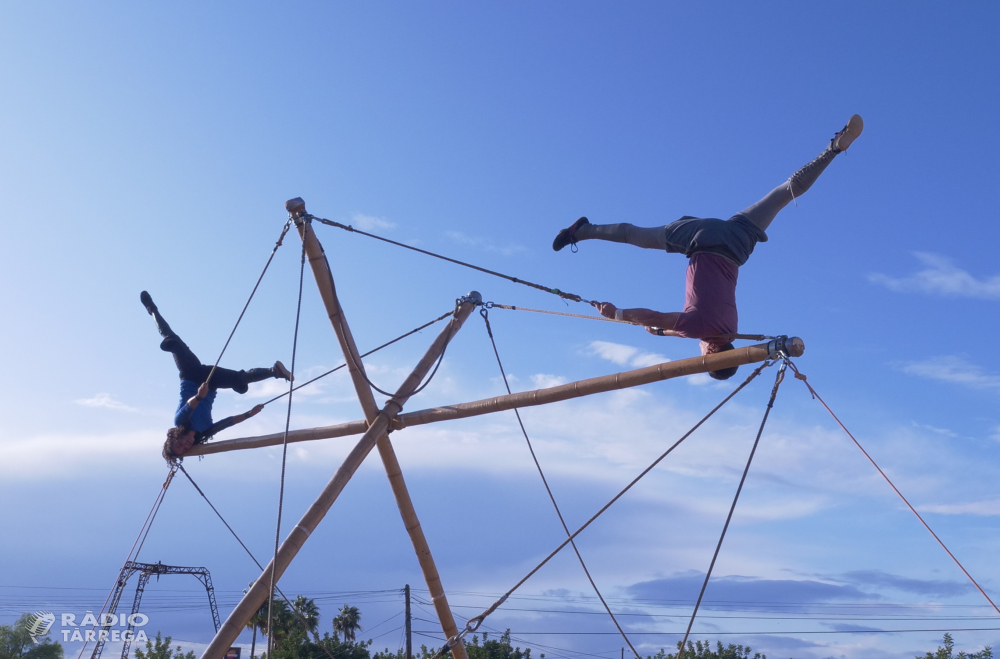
189,367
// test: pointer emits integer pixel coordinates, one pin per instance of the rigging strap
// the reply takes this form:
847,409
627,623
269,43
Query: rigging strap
475,622
484,312
801,376
133,553
662,332
370,352
284,456
554,291
708,575
281,238
430,377
291,605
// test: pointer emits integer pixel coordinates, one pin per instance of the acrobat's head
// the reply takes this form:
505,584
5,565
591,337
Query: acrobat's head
711,348
180,439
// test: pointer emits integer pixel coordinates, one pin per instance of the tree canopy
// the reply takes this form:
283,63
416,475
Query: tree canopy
16,642
159,648
948,651
703,650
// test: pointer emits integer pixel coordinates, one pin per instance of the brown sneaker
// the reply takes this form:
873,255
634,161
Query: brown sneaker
848,134
282,373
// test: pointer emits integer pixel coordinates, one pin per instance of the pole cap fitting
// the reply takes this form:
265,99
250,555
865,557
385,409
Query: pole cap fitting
791,346
295,206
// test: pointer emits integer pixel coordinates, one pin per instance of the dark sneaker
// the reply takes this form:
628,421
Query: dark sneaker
848,134
147,302
281,372
568,236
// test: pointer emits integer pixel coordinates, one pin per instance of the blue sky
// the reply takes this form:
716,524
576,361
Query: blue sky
152,147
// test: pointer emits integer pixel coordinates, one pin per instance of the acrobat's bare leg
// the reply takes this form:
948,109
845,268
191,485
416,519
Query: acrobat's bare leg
582,229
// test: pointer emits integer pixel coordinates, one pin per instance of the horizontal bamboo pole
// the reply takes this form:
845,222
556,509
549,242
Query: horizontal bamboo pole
705,363
276,439
665,371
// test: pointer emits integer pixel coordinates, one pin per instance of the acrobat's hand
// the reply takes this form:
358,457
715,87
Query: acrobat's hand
202,390
606,309
255,411
655,331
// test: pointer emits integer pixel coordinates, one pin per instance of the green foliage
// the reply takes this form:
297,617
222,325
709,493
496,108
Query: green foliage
281,618
347,623
490,649
497,649
948,651
297,645
16,642
307,612
159,648
703,650
293,641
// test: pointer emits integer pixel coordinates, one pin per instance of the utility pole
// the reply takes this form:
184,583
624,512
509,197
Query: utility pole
409,637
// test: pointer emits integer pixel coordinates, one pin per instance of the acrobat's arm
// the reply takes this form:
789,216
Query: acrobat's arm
646,317
228,422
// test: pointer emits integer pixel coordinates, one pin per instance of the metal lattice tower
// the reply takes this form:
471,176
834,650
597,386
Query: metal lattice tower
147,570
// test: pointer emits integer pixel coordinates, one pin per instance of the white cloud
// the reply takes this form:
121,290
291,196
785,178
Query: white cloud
106,401
986,508
954,370
371,223
60,454
700,379
941,277
615,352
273,387
940,431
625,355
485,244
544,380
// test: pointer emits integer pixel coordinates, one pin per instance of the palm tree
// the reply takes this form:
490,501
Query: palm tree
258,621
281,619
307,614
347,622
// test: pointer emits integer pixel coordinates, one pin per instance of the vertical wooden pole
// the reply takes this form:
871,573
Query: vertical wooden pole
409,635
324,281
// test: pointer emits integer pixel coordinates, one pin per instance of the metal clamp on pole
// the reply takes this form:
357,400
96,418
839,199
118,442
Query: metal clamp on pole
783,347
295,207
473,297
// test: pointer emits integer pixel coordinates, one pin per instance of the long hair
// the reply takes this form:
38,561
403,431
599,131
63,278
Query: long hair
168,446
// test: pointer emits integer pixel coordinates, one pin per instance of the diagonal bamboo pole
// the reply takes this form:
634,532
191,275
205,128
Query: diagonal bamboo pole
751,354
324,281
297,537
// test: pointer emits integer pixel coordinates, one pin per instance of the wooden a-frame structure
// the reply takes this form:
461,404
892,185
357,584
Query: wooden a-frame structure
378,422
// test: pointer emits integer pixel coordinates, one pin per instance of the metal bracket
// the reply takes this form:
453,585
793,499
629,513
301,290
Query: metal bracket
776,348
295,207
473,297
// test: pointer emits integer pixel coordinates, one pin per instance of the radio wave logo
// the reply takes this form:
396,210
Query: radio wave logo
39,624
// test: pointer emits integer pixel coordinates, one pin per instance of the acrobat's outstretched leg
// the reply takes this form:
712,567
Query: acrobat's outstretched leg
760,214
764,211
189,367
